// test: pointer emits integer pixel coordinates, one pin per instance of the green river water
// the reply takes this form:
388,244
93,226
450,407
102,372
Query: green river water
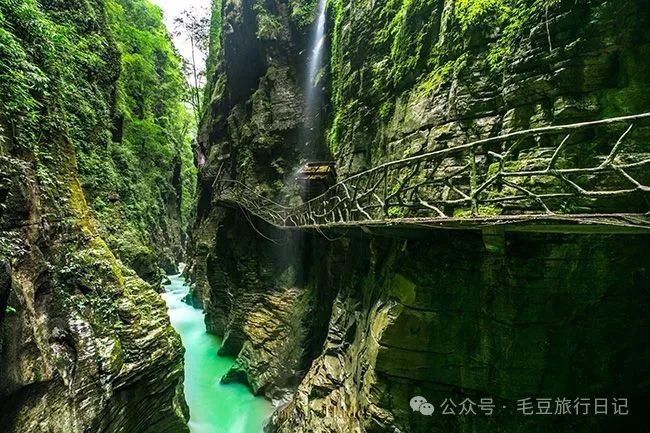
214,408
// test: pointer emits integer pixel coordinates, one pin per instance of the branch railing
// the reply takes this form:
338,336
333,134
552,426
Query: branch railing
580,169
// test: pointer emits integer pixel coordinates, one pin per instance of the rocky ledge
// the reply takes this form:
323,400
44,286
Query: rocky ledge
85,344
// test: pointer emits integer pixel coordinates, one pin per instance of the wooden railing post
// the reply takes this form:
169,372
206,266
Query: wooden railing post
385,196
473,182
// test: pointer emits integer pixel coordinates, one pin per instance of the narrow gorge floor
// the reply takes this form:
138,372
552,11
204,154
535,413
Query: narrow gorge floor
214,407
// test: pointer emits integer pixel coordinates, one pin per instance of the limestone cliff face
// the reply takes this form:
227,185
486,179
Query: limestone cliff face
85,343
250,134
411,77
435,315
357,325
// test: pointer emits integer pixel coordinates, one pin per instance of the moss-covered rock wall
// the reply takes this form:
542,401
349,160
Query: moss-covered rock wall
250,131
410,77
434,314
85,343
348,329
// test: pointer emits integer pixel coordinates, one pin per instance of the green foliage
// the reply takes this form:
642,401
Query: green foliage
401,49
269,26
214,48
188,186
386,109
339,69
510,16
135,193
215,40
470,12
99,85
303,12
437,76
394,44
47,71
412,33
396,212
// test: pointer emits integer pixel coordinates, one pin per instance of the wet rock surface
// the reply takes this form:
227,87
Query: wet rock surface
350,327
85,344
440,317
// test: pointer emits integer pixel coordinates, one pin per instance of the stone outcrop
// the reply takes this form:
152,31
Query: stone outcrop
258,103
251,294
435,315
85,344
356,325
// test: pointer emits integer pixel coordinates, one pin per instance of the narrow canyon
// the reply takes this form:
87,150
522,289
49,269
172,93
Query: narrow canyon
365,216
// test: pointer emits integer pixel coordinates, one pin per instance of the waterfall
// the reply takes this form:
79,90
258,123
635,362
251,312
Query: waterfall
314,91
318,41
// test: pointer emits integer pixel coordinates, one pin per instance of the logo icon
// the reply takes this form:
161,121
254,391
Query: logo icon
427,409
420,404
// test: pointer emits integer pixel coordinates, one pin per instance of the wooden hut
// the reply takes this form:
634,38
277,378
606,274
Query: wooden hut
314,178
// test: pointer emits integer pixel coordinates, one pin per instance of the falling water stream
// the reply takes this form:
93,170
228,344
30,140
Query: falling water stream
316,58
214,407
314,89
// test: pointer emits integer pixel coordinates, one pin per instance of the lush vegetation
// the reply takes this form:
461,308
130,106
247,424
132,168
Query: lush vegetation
49,73
409,53
104,77
151,151
303,12
511,16
214,47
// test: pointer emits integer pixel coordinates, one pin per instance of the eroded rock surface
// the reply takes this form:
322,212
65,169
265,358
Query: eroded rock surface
363,323
250,292
440,317
85,344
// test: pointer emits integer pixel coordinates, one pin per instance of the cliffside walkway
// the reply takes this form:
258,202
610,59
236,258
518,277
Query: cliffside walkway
591,176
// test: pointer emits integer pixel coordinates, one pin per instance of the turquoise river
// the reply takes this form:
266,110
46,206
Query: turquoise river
214,407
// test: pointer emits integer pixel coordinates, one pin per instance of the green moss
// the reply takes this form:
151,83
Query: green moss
386,109
40,56
632,95
493,169
96,87
396,212
335,134
483,211
215,43
510,16
403,288
401,50
269,26
439,74
487,210
410,34
303,12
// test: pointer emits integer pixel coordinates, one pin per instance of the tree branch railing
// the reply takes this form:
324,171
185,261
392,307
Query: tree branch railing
581,169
